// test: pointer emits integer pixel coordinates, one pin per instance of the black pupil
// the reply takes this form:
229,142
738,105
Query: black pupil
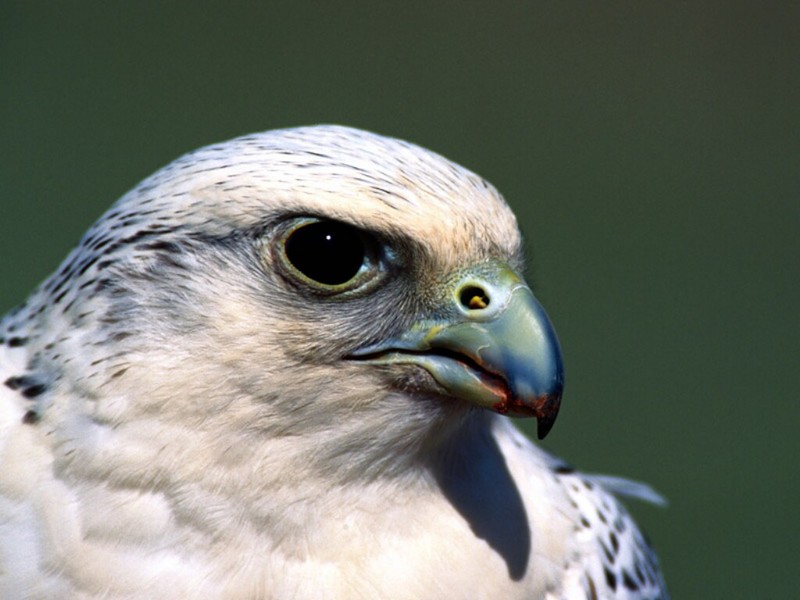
327,252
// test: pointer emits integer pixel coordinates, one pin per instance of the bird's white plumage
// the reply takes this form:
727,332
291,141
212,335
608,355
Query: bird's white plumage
178,418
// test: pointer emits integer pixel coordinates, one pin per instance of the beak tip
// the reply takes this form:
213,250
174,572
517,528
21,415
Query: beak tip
544,407
546,412
544,425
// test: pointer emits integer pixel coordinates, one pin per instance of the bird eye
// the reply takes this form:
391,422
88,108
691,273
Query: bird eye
326,252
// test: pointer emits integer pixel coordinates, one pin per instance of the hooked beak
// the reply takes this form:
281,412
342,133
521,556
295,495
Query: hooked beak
491,344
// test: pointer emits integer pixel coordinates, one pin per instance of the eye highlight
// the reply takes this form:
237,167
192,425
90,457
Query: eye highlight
328,256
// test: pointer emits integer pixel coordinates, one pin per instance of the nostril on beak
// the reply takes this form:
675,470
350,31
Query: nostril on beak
473,297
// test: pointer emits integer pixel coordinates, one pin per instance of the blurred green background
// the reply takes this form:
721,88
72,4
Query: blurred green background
650,149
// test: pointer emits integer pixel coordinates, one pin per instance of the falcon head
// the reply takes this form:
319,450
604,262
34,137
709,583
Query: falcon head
322,282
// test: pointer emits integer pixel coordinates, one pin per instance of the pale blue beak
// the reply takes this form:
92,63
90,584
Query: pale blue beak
491,344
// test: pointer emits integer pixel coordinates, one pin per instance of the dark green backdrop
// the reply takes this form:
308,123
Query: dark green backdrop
651,150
